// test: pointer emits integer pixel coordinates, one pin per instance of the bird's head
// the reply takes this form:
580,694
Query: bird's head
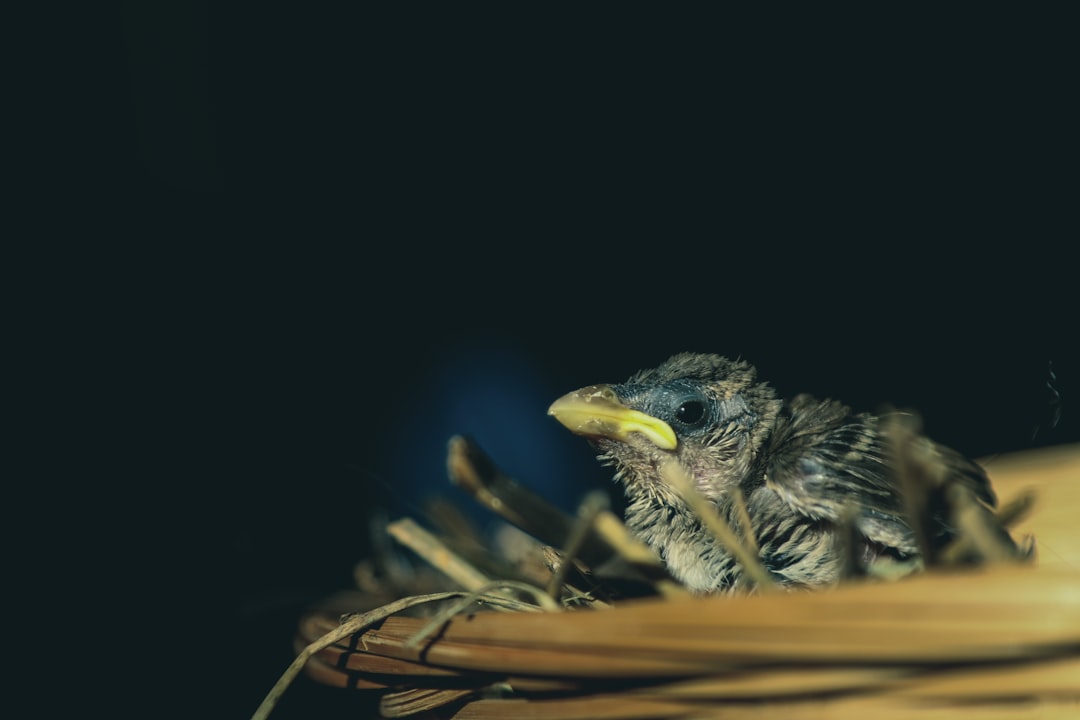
708,412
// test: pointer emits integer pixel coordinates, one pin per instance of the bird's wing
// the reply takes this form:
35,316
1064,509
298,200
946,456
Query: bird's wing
824,459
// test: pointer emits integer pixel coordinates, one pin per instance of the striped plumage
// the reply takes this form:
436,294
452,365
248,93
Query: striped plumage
802,466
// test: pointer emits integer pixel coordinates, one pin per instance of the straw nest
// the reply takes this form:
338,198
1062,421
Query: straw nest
596,629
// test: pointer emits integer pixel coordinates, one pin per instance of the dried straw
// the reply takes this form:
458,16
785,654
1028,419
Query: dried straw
1000,640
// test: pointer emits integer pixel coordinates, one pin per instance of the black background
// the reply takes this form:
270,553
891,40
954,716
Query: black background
328,215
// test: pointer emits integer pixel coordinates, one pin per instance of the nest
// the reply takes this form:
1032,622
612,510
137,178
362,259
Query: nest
597,629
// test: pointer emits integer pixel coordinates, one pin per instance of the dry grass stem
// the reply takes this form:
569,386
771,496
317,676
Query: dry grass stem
743,514
427,546
474,472
674,474
976,634
917,475
1014,511
349,627
637,554
593,504
543,602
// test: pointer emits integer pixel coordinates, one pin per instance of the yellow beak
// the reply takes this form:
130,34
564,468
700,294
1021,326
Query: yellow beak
596,411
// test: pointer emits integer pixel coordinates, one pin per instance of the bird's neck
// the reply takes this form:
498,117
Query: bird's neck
677,535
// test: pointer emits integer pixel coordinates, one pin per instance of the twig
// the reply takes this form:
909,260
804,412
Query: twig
917,476
977,536
349,626
543,602
849,536
674,474
637,554
979,530
744,520
427,546
474,472
1016,509
593,504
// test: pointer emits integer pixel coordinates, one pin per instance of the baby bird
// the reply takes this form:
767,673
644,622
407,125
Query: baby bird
817,479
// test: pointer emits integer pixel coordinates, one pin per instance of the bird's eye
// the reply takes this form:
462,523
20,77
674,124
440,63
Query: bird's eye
690,412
